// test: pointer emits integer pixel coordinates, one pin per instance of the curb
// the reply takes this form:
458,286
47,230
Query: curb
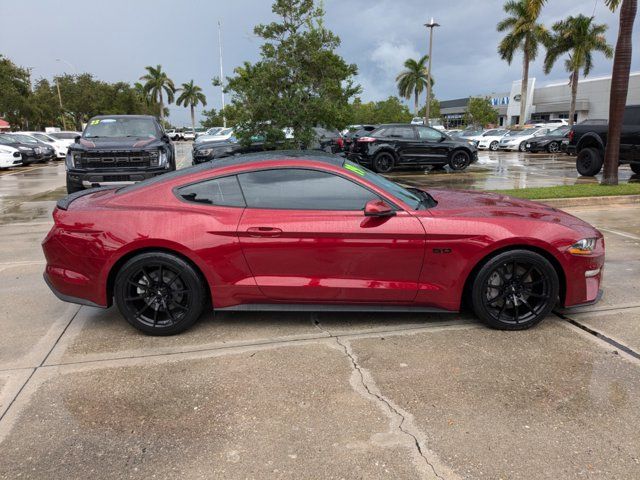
590,201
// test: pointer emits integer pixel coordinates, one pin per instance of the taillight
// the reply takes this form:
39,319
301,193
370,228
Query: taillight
571,134
366,140
340,142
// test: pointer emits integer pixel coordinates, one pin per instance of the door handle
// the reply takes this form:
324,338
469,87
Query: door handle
264,232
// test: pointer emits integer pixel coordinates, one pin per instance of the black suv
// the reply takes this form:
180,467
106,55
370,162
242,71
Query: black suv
418,146
119,149
588,140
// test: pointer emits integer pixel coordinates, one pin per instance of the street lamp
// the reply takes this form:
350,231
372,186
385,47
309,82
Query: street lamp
430,26
64,123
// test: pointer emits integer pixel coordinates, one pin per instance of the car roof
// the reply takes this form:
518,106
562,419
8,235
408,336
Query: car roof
123,116
247,158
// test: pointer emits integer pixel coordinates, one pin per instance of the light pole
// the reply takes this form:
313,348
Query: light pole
75,72
430,26
224,118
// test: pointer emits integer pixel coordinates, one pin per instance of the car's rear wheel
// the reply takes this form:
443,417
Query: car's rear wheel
589,162
159,293
493,146
383,162
635,168
460,160
514,290
553,147
522,147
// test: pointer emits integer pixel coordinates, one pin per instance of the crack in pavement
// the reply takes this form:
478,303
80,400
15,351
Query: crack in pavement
370,387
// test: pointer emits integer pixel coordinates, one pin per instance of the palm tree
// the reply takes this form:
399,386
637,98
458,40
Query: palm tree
619,81
524,33
579,37
413,80
191,95
157,82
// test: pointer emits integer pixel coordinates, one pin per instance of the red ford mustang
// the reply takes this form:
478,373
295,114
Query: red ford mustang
296,231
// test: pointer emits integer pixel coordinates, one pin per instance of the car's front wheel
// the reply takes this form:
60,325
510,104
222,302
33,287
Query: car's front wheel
159,293
523,146
553,147
514,290
383,162
493,146
589,162
460,159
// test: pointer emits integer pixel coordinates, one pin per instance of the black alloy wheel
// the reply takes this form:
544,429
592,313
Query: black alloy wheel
159,293
553,147
460,160
493,146
523,146
515,290
383,162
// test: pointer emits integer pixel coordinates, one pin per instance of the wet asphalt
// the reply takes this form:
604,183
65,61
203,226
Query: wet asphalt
300,395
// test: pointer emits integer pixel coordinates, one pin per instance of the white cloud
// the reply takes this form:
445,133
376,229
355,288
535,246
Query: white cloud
390,56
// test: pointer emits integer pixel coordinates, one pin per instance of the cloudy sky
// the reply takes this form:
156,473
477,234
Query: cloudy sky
115,39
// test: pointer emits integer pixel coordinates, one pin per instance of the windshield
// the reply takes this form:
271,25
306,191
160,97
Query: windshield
41,136
560,132
23,138
119,127
393,188
224,131
5,140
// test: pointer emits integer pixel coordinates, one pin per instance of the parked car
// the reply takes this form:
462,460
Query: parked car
490,140
402,145
555,141
118,149
48,152
354,132
588,142
60,147
311,231
417,121
517,139
220,135
9,157
327,140
174,134
188,134
66,137
30,153
209,131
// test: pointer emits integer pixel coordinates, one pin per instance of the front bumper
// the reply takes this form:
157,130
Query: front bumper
99,177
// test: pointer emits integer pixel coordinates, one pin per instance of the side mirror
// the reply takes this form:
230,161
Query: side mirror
378,208
77,139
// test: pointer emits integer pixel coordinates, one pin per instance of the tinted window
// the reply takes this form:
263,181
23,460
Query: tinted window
401,132
426,133
218,191
297,189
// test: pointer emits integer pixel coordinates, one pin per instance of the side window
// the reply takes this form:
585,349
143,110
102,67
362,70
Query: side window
224,192
402,132
381,132
298,189
426,133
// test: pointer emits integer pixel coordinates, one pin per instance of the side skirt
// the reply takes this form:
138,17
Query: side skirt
308,307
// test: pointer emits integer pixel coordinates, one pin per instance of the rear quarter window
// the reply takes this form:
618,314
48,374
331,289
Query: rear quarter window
223,192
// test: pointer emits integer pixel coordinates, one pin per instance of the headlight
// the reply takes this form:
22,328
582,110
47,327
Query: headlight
25,149
69,161
583,247
73,159
163,159
205,152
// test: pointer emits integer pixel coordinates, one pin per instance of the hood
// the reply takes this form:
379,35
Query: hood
464,203
122,143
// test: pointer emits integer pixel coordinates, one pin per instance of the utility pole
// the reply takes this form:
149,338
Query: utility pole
430,26
224,118
64,123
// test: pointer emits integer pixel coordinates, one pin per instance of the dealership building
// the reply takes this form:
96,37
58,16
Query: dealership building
546,102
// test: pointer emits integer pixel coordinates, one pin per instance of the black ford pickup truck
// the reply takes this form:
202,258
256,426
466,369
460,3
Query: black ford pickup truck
117,149
588,140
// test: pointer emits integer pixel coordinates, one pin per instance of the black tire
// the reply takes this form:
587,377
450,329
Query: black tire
73,187
635,168
507,302
460,160
493,146
589,162
383,162
553,147
522,147
159,293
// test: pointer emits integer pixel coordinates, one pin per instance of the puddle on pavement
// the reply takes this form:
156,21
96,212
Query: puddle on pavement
27,212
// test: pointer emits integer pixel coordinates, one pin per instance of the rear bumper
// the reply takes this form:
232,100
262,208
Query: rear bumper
68,298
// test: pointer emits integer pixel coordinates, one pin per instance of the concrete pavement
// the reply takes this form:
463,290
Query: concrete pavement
299,395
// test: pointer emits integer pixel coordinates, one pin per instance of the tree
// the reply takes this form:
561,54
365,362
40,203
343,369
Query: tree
299,81
413,80
157,82
191,95
213,118
619,80
579,37
480,112
434,109
523,33
15,89
391,110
